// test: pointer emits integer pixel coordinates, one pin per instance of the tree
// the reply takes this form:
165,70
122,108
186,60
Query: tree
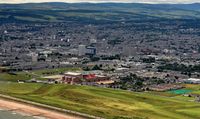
93,59
149,60
86,68
96,67
189,74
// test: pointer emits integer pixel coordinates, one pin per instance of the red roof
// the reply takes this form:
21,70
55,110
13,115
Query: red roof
89,76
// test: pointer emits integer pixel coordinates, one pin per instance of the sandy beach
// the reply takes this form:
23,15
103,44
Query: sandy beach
33,110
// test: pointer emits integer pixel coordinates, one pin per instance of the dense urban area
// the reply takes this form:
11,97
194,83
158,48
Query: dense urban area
159,56
144,51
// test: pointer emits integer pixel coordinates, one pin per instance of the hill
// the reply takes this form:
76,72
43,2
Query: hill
90,12
107,103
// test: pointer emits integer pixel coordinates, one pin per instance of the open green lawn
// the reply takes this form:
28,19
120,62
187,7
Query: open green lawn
34,74
104,102
14,77
194,87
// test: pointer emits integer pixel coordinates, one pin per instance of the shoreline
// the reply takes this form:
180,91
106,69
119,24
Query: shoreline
33,111
64,113
18,113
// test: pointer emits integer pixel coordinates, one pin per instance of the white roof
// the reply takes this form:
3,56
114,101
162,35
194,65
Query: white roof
193,79
100,76
53,77
122,68
73,73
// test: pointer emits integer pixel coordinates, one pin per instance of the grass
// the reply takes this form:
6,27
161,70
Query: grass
14,77
34,74
8,87
166,94
194,87
104,102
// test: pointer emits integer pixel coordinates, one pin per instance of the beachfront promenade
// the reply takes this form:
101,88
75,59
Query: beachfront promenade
34,109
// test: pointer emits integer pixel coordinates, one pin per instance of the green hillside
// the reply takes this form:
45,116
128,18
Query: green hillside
108,103
92,13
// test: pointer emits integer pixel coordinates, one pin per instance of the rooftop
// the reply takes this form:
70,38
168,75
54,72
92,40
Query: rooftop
73,73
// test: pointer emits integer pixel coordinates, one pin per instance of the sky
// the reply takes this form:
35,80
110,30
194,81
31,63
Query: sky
96,1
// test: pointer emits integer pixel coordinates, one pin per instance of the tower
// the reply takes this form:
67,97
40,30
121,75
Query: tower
81,50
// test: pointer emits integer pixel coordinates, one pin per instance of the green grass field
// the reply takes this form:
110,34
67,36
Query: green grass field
194,87
34,74
108,103
12,77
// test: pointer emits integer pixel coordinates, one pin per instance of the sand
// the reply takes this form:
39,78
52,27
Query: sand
33,110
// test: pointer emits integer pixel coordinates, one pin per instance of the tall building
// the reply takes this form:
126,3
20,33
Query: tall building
91,51
54,37
34,57
81,50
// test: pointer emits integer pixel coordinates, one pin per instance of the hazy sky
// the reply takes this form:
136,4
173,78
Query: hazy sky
137,1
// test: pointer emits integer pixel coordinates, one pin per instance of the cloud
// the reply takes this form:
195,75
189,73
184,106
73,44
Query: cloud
96,1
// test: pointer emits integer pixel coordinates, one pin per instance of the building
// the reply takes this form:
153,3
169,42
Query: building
90,51
71,79
192,80
74,51
81,50
85,78
93,41
34,57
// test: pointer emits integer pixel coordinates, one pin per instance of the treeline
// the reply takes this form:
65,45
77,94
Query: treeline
180,67
114,57
131,82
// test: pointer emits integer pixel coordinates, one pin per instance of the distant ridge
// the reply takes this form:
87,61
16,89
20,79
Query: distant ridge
63,5
96,12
